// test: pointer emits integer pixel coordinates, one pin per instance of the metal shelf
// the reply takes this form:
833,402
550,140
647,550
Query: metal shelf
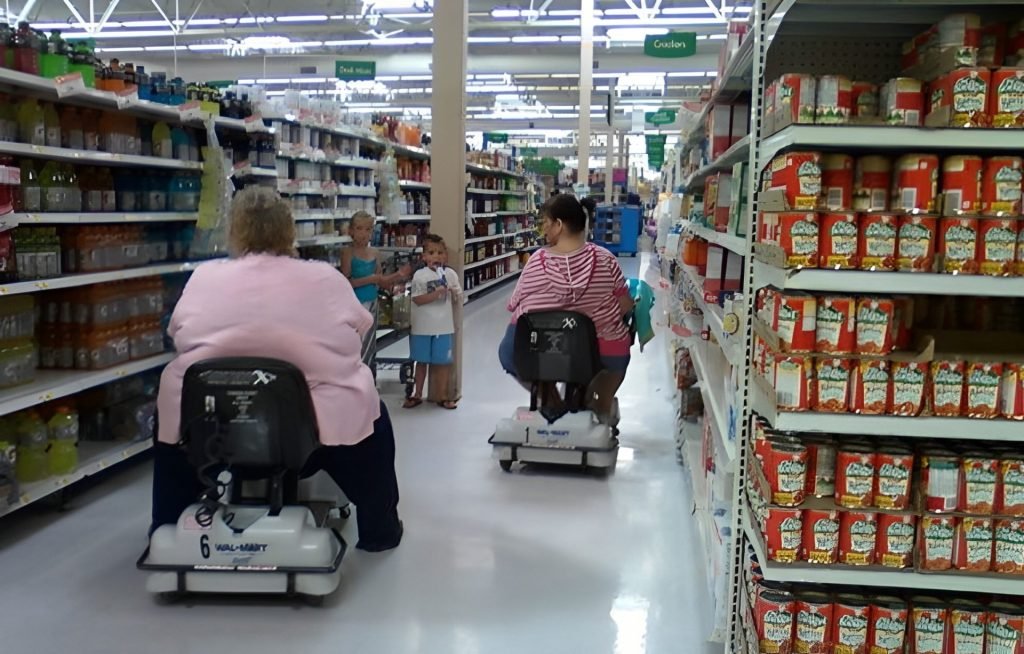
343,162
493,282
71,281
492,191
491,214
413,218
94,456
737,244
738,152
94,157
713,316
713,404
322,239
494,237
860,576
903,426
413,184
477,264
490,170
292,187
96,218
406,150
860,281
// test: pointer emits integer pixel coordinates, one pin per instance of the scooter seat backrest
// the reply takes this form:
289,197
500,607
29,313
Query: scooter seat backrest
556,346
253,414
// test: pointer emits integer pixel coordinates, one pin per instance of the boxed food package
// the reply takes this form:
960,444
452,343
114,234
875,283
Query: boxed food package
1006,98
724,271
723,202
798,174
795,100
960,99
719,130
739,203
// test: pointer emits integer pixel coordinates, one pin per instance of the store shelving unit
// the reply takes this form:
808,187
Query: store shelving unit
69,155
99,218
490,284
84,279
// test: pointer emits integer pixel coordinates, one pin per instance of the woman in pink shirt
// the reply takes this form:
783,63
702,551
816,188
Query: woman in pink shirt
265,302
571,274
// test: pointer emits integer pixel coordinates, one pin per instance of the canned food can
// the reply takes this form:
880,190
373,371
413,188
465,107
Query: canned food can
855,476
916,243
963,93
983,380
915,183
877,248
967,620
799,175
1011,392
1018,265
1007,97
864,100
836,325
773,617
835,100
837,174
797,235
940,477
832,379
974,544
1001,186
813,623
788,473
1012,489
839,240
903,102
821,536
858,537
938,534
871,387
1009,547
997,246
909,382
896,539
1005,629
958,244
948,387
793,321
821,467
872,182
784,533
793,381
875,325
892,482
903,321
928,619
851,614
795,99
887,631
961,184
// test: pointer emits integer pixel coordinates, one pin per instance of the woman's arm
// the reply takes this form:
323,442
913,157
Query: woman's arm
620,290
524,278
343,303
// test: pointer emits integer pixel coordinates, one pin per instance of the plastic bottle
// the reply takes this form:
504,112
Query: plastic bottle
51,183
51,121
54,61
105,183
8,119
72,134
31,126
110,140
129,127
91,129
73,195
26,50
33,440
31,197
92,196
179,141
162,144
127,192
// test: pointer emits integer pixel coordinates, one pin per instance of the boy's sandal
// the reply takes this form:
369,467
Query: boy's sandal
412,402
448,404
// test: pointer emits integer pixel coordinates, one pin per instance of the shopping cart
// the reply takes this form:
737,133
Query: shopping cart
391,313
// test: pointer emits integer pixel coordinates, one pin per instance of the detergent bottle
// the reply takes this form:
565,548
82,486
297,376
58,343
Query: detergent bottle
63,440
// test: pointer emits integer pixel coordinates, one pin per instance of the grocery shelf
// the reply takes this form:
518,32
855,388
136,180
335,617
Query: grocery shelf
490,170
70,281
323,239
513,213
735,81
413,184
861,281
492,191
341,129
407,150
254,171
93,456
491,214
54,384
94,157
100,217
477,264
737,153
928,427
713,315
413,218
874,576
737,244
716,406
494,237
399,248
294,187
883,138
324,214
493,282
344,162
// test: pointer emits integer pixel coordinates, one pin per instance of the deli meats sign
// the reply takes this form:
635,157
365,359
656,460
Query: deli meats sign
673,45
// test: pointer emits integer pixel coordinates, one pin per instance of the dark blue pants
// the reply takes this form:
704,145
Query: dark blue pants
365,472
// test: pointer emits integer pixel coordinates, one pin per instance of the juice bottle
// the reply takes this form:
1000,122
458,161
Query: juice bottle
92,198
91,129
31,126
105,183
109,140
54,60
33,440
162,144
8,119
51,183
51,122
72,133
129,127
26,50
31,198
179,140
73,196
63,435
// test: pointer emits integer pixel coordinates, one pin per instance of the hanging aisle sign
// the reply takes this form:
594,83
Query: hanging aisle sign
655,150
497,137
673,45
660,117
354,71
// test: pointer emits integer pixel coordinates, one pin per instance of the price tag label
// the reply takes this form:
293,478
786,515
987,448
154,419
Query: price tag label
255,124
9,221
69,84
127,97
190,111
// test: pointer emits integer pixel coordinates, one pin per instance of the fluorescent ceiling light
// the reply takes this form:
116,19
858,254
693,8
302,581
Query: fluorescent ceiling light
308,80
246,81
678,11
388,78
535,39
416,78
565,75
202,47
141,23
493,88
569,12
530,76
634,33
307,44
318,18
687,73
165,48
53,26
504,13
655,22
490,76
266,42
413,40
488,39
250,20
120,49
120,35
274,80
199,21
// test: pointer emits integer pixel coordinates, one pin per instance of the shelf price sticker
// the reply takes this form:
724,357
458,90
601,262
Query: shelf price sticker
254,123
70,84
190,111
127,97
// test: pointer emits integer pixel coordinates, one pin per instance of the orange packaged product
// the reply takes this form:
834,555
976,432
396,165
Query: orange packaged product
979,483
1007,98
796,233
915,183
1001,186
937,538
836,325
793,380
961,184
958,244
973,548
871,387
799,175
1011,488
832,376
1011,392
916,243
839,240
909,383
877,242
997,245
793,320
960,99
837,174
947,382
1009,547
982,392
875,325
872,182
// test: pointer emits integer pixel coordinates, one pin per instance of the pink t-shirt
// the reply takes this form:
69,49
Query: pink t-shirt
588,280
303,312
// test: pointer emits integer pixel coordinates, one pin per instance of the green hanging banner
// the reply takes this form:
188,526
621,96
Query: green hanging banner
528,152
354,71
497,137
655,150
673,45
660,117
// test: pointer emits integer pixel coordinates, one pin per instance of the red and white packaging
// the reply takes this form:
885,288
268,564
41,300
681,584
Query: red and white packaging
837,177
836,324
793,320
834,100
799,175
1001,186
915,183
872,183
961,184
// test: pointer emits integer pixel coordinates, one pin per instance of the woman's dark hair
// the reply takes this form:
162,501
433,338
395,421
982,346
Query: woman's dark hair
573,213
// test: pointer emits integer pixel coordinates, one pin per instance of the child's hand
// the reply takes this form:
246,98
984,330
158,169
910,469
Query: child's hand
405,271
441,292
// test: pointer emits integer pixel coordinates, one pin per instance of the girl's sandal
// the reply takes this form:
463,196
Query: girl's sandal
412,402
448,404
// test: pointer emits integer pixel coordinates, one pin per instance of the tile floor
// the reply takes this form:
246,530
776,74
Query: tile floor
536,562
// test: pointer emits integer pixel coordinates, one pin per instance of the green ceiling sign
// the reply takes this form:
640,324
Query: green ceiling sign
655,150
660,117
497,137
528,152
354,71
673,45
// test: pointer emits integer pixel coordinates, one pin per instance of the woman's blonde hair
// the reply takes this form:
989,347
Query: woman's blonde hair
261,223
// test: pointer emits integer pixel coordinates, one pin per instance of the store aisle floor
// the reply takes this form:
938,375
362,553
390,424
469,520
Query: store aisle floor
492,563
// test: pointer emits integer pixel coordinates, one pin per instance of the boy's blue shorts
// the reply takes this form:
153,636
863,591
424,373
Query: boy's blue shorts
436,350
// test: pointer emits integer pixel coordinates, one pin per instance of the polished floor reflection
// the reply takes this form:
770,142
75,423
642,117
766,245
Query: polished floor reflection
493,563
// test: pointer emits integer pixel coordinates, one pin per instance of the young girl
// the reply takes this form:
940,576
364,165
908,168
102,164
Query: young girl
361,263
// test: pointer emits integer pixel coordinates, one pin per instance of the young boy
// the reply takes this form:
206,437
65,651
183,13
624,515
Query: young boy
434,290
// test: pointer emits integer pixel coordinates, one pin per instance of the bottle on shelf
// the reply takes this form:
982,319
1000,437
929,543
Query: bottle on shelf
32,460
73,193
72,135
51,183
54,61
108,193
63,441
162,144
91,129
92,196
31,198
26,49
51,123
31,126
